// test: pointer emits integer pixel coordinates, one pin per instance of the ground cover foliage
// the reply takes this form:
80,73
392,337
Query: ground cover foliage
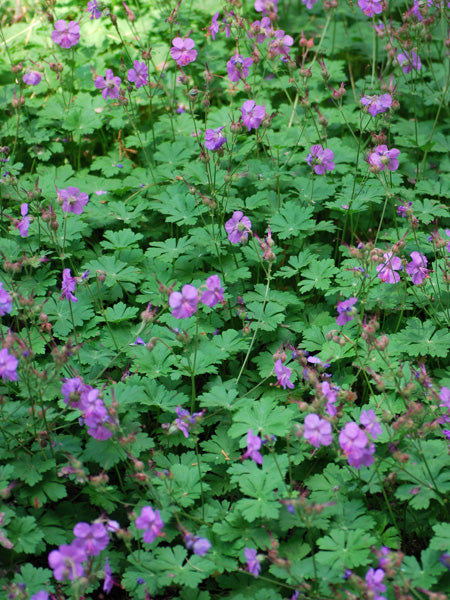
225,269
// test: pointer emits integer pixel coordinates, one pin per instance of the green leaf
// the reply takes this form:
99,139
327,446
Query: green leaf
347,549
441,539
24,534
120,312
291,220
264,417
426,573
318,275
421,339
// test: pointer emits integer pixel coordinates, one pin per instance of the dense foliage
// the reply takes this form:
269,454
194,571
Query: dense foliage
224,300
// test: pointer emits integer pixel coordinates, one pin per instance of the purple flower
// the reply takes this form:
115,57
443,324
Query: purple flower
109,84
417,268
253,446
66,562
32,78
345,310
317,431
5,301
92,7
72,200
24,224
321,160
97,419
238,227
42,595
184,304
409,61
369,421
281,44
283,374
355,444
68,286
371,7
185,420
374,577
253,564
214,292
445,560
91,538
108,582
8,366
72,390
261,29
377,104
238,67
65,34
252,114
403,211
266,6
444,397
214,139
138,75
387,270
198,545
382,158
151,522
183,51
330,393
213,29
309,3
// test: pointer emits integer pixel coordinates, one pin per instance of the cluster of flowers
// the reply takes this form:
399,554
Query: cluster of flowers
90,540
85,398
184,303
184,421
8,362
387,271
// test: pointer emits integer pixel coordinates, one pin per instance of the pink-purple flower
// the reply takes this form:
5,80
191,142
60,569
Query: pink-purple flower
382,157
409,61
356,446
68,286
317,431
32,78
261,30
5,301
238,227
371,7
213,29
93,8
197,544
184,303
91,538
8,365
266,6
139,74
183,51
345,310
252,114
108,582
368,420
214,291
281,44
238,67
110,84
309,3
150,521
253,564
214,138
417,267
374,578
24,224
66,562
377,104
321,160
253,446
72,200
387,271
65,34
98,420
283,374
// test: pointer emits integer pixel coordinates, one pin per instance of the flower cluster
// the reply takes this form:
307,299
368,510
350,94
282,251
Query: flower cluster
85,398
377,104
355,442
184,421
184,303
